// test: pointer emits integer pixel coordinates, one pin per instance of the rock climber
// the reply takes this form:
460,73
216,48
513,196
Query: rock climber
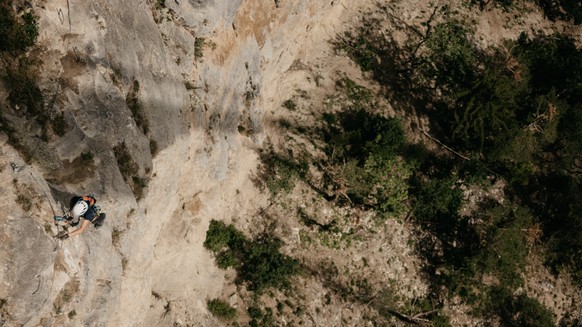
81,207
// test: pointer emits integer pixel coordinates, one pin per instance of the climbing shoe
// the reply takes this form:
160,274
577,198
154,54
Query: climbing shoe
99,221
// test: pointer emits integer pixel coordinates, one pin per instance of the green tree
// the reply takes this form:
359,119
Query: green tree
367,150
452,59
518,311
562,9
264,266
381,183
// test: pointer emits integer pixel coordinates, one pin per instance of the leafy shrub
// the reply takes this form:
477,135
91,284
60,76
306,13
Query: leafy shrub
154,148
127,165
258,262
496,246
280,174
20,80
130,170
136,108
221,309
479,97
365,149
452,58
219,236
357,131
199,43
381,183
553,62
438,201
139,185
361,134
260,318
360,48
560,204
264,266
220,239
29,30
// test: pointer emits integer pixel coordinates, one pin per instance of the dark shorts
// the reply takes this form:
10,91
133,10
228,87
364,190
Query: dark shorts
90,214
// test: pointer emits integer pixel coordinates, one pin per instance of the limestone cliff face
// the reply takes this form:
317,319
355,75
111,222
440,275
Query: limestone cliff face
203,74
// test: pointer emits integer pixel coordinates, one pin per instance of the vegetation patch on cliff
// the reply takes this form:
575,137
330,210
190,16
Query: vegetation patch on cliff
506,112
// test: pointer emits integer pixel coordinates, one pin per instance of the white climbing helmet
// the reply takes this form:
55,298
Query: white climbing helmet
79,209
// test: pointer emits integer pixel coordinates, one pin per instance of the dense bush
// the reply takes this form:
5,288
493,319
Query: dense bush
478,97
264,266
436,204
20,74
258,262
136,108
380,183
557,199
366,149
260,318
279,174
221,309
127,165
360,134
221,239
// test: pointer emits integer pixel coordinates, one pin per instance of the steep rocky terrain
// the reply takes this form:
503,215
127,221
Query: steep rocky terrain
167,108
206,73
